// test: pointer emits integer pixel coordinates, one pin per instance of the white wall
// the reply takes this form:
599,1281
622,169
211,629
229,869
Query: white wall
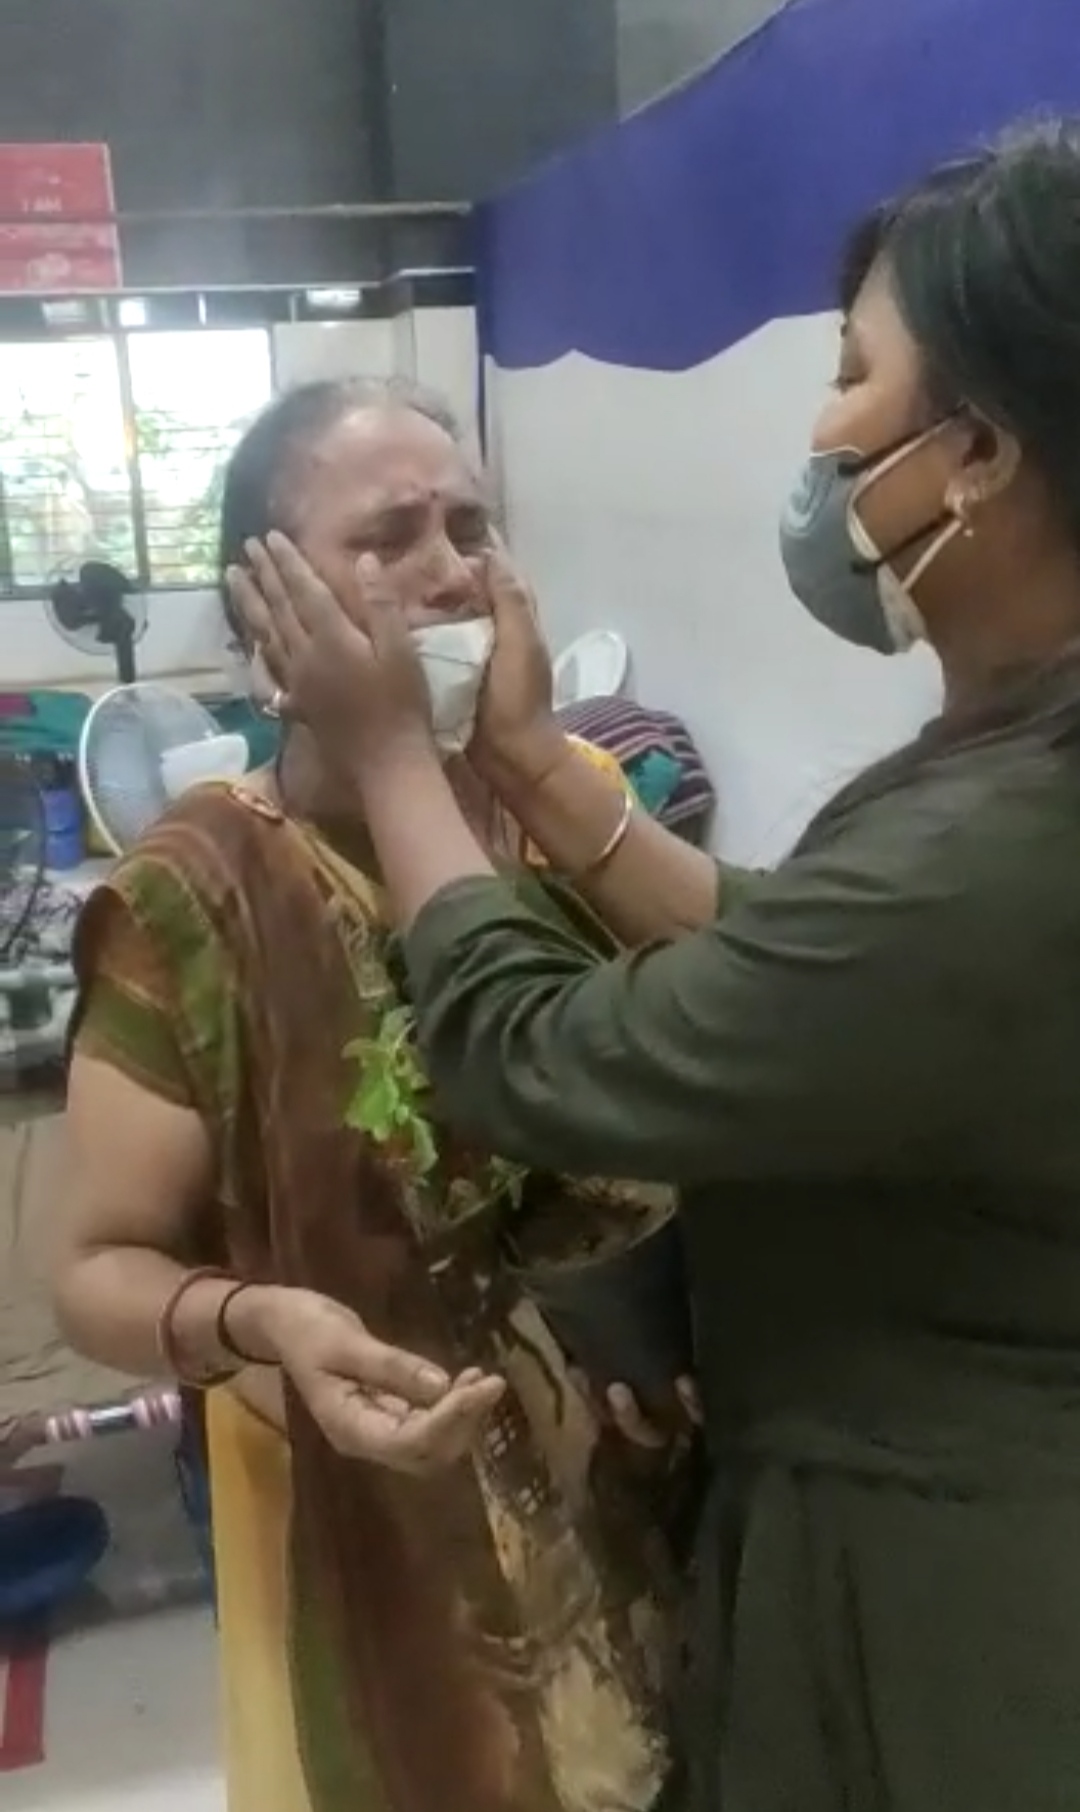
185,637
648,502
437,346
305,352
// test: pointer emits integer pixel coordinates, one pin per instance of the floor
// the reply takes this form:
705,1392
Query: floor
130,1722
130,1690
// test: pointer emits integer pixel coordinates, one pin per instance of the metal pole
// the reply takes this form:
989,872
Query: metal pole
133,462
375,211
377,110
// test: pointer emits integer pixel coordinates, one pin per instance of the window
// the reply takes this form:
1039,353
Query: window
114,447
65,493
193,395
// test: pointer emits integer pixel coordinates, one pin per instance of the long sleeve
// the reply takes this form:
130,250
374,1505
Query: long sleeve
818,1030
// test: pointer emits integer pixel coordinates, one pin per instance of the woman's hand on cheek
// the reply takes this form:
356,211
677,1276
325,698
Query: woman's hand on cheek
351,676
517,736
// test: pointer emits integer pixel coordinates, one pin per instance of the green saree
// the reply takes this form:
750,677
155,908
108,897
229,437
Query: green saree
491,1640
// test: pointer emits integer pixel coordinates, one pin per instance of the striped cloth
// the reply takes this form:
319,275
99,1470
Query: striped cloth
658,756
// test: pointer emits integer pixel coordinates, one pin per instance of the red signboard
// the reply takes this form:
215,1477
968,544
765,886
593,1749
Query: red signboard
44,190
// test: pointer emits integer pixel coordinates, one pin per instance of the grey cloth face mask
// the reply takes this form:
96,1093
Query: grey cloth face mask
832,565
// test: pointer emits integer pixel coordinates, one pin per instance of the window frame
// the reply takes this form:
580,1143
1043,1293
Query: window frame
101,323
98,318
26,319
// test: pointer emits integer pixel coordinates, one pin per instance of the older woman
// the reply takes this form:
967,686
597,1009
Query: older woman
864,1068
439,1590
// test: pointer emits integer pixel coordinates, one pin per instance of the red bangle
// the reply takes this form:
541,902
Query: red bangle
224,1338
166,1329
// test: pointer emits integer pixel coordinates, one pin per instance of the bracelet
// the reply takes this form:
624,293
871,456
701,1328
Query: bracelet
613,844
221,1327
166,1330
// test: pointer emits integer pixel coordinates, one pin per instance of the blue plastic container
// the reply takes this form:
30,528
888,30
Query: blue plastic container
65,840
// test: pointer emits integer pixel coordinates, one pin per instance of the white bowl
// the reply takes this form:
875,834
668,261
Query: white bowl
596,665
211,758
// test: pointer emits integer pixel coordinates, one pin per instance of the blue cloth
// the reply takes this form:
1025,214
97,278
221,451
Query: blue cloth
663,241
48,1549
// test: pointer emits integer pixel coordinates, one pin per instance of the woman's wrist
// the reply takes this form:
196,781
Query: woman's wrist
252,1321
398,758
577,814
525,762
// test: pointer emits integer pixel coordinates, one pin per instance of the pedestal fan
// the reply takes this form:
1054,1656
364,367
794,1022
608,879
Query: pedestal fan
97,611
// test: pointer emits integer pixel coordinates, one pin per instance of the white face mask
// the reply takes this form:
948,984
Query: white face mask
905,620
455,658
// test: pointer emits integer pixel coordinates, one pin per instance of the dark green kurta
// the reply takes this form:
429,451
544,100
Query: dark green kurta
867,1079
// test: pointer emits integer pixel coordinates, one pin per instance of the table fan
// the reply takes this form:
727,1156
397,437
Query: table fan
142,746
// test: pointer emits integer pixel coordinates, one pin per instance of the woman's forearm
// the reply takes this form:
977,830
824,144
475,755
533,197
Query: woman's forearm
109,1303
423,841
652,886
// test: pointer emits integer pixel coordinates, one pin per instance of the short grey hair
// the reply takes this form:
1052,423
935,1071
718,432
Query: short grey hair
251,500
401,392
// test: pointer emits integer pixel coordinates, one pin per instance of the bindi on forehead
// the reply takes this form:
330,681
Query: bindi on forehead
405,493
375,464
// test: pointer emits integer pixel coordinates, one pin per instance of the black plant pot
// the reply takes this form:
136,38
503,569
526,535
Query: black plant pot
623,1317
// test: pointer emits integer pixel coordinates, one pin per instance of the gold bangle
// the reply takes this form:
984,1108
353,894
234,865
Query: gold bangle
613,844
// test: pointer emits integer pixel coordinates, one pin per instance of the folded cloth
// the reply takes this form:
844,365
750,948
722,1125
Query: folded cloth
656,753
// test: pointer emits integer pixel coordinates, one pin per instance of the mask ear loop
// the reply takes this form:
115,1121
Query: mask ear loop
953,526
869,558
882,460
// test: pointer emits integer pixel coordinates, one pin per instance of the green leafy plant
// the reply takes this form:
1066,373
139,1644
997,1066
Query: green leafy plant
391,1106
391,1099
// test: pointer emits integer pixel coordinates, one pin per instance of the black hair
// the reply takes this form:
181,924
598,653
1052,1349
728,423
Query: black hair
252,500
983,259
871,238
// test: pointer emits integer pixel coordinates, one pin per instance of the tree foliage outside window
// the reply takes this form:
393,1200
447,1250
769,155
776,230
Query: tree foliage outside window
81,477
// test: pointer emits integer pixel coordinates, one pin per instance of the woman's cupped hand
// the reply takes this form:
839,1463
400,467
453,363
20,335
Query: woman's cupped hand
345,667
372,1401
517,737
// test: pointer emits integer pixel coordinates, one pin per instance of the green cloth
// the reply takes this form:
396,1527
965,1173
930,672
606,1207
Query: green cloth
654,777
238,716
52,722
42,722
866,1076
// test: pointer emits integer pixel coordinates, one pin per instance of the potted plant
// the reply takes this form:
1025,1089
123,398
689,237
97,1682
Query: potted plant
602,1261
